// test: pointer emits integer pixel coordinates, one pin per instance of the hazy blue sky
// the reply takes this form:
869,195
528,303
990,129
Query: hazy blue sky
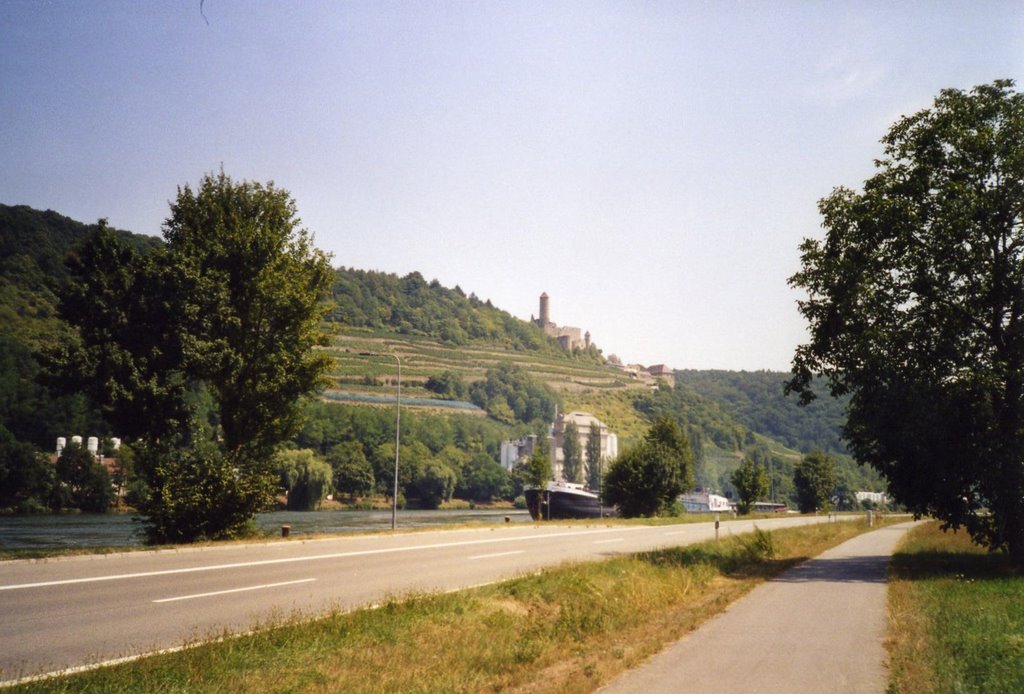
653,166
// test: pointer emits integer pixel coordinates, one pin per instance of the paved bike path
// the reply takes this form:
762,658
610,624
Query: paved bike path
819,627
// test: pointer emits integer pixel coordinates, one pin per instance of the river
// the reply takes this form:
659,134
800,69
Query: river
120,530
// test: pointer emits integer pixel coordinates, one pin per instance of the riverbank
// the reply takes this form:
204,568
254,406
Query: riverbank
38,535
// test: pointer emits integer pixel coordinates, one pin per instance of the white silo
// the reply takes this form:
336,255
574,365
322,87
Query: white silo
61,443
94,445
116,443
77,441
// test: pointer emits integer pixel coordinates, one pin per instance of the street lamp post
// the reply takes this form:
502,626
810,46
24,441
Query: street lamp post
398,441
398,431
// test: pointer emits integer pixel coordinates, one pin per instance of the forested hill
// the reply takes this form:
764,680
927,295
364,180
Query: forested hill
33,245
757,400
412,306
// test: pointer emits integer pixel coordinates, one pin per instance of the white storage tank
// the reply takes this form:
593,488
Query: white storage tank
61,443
93,445
76,440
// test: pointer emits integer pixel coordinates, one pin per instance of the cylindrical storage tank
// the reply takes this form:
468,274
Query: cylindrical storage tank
93,445
61,443
76,440
116,443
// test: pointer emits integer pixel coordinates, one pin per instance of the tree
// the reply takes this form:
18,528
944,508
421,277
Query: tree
815,480
483,479
538,470
434,483
82,482
572,454
751,482
592,454
26,477
915,305
305,477
353,474
647,478
227,314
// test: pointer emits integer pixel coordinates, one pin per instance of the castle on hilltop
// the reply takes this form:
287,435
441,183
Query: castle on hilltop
568,337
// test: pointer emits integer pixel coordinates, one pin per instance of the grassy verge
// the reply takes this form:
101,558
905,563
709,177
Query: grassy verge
566,629
956,617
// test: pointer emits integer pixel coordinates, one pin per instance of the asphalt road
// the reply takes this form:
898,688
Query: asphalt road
819,627
71,612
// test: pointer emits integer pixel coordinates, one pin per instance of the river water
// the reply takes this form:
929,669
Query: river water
120,530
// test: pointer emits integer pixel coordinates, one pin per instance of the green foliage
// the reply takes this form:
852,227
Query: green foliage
815,481
353,474
914,308
695,414
196,492
572,454
411,306
255,285
449,385
752,484
81,483
483,479
648,477
434,483
758,401
227,314
592,455
510,394
27,478
538,468
305,477
127,352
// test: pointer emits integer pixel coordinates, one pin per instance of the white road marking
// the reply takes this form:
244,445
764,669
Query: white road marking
677,532
605,542
235,590
316,557
498,554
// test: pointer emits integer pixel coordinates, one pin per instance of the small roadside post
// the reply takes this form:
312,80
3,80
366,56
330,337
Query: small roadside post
717,518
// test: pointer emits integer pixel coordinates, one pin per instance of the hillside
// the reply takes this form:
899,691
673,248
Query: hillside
450,345
758,401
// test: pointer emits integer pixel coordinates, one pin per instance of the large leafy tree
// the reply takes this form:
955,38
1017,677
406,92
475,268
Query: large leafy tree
915,304
751,482
815,480
648,477
202,349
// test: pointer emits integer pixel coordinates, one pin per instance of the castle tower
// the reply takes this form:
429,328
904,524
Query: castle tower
586,340
545,317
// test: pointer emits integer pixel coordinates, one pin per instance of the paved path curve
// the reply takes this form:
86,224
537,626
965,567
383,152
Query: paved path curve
819,627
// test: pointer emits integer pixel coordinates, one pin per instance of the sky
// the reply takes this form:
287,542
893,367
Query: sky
652,166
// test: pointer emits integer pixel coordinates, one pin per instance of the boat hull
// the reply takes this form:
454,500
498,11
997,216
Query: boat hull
553,503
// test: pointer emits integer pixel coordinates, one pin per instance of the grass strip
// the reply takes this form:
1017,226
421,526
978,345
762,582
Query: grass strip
956,616
566,629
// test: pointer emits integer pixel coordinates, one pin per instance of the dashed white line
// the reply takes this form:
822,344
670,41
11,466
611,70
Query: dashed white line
234,590
605,542
497,554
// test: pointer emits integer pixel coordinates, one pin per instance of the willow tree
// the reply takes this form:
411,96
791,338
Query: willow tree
915,305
